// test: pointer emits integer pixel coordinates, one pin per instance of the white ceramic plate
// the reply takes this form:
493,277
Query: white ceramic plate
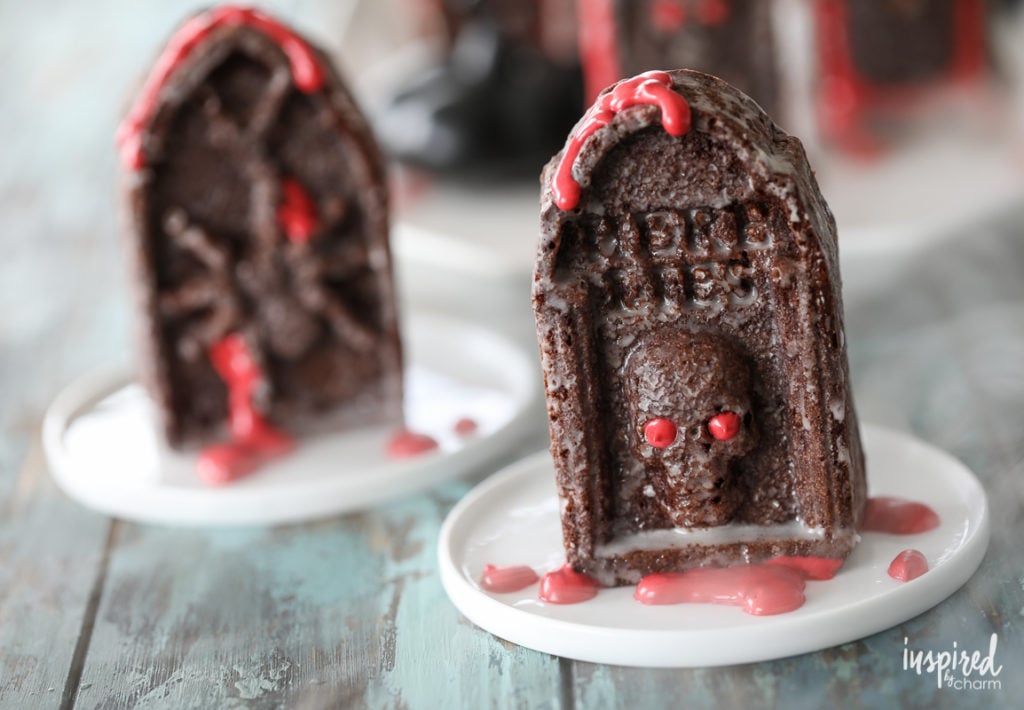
104,450
512,519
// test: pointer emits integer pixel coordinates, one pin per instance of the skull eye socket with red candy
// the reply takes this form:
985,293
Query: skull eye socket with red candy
660,432
724,426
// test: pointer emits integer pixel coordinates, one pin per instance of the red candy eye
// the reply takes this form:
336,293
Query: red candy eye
724,426
660,432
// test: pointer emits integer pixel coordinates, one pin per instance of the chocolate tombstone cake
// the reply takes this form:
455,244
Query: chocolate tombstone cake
259,228
688,308
732,39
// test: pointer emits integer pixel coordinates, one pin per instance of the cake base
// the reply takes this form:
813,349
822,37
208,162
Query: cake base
102,440
512,519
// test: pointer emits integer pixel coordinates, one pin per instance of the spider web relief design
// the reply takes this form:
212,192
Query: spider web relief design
267,296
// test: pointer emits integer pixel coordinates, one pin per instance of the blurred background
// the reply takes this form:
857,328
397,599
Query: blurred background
473,95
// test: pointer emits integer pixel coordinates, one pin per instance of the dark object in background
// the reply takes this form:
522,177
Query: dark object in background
689,314
499,104
259,230
730,39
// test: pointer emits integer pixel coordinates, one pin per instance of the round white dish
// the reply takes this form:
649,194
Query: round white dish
101,440
512,519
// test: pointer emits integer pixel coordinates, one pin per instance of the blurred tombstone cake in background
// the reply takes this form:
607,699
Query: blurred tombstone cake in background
688,307
861,68
877,60
258,218
500,98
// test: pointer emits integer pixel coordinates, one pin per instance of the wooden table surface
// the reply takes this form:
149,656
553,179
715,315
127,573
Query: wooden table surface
96,612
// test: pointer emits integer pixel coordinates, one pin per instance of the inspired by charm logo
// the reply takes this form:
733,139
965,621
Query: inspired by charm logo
957,668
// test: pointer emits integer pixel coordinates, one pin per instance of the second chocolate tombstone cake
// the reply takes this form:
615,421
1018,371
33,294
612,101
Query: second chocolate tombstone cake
259,228
688,308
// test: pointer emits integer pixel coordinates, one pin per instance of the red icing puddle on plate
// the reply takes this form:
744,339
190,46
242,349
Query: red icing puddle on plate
502,580
406,444
898,516
760,590
465,426
567,586
908,565
771,588
774,587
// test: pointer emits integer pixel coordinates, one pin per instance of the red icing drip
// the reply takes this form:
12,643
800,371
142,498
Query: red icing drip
814,568
650,88
254,440
466,426
406,444
845,94
668,16
660,433
502,580
760,590
567,586
713,12
307,73
297,214
908,565
599,50
724,426
898,517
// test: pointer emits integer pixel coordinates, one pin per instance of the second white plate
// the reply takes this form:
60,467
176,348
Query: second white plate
104,449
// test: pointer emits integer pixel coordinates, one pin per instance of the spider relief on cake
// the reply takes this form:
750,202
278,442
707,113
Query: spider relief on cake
259,230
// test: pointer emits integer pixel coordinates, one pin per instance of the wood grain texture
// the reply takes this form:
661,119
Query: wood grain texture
344,613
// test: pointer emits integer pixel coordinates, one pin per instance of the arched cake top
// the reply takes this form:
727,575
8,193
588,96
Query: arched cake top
653,88
307,72
773,163
712,107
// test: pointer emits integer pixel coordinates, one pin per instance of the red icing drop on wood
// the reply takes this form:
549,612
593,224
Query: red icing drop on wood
307,73
724,426
599,49
897,516
567,586
502,580
760,590
660,433
297,213
254,440
406,444
466,426
652,88
814,568
908,565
